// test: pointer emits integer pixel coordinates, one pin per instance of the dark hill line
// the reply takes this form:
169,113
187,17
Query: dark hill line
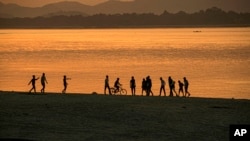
210,17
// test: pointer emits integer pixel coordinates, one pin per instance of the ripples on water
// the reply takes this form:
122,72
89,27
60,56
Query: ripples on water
216,60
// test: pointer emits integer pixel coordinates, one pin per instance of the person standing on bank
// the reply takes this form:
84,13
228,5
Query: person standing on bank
143,86
181,88
43,81
65,84
186,84
149,86
163,83
33,82
106,86
170,83
132,85
173,88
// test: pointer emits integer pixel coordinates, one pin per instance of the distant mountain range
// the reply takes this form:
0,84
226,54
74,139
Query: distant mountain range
114,6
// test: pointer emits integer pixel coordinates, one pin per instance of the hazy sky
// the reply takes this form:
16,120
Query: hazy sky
235,5
35,3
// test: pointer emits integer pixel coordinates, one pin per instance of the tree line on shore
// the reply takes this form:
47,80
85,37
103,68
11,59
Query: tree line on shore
210,17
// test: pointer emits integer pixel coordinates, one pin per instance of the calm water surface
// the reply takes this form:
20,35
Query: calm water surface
216,61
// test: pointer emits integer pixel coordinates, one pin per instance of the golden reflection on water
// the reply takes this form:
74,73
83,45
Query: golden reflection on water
214,60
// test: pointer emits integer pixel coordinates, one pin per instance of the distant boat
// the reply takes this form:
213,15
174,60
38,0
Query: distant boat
196,31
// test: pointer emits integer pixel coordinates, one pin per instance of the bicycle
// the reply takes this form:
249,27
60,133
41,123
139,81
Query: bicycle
120,91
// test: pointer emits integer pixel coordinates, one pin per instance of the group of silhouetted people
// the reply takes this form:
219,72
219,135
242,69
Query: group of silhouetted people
44,82
146,86
171,83
117,85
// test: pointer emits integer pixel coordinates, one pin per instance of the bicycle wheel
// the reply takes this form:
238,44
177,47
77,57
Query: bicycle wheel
123,92
112,90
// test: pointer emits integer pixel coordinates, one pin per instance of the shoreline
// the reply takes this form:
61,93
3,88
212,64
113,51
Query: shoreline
129,27
101,94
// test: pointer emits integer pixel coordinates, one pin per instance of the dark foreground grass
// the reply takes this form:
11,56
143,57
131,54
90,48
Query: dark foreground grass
118,118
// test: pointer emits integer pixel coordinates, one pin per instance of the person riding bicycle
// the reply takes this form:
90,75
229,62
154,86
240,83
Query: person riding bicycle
117,84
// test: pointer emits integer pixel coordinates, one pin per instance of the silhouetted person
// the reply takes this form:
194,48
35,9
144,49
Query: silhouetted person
186,84
170,83
149,86
163,83
43,81
33,82
65,84
173,88
181,87
132,85
106,86
117,84
143,86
